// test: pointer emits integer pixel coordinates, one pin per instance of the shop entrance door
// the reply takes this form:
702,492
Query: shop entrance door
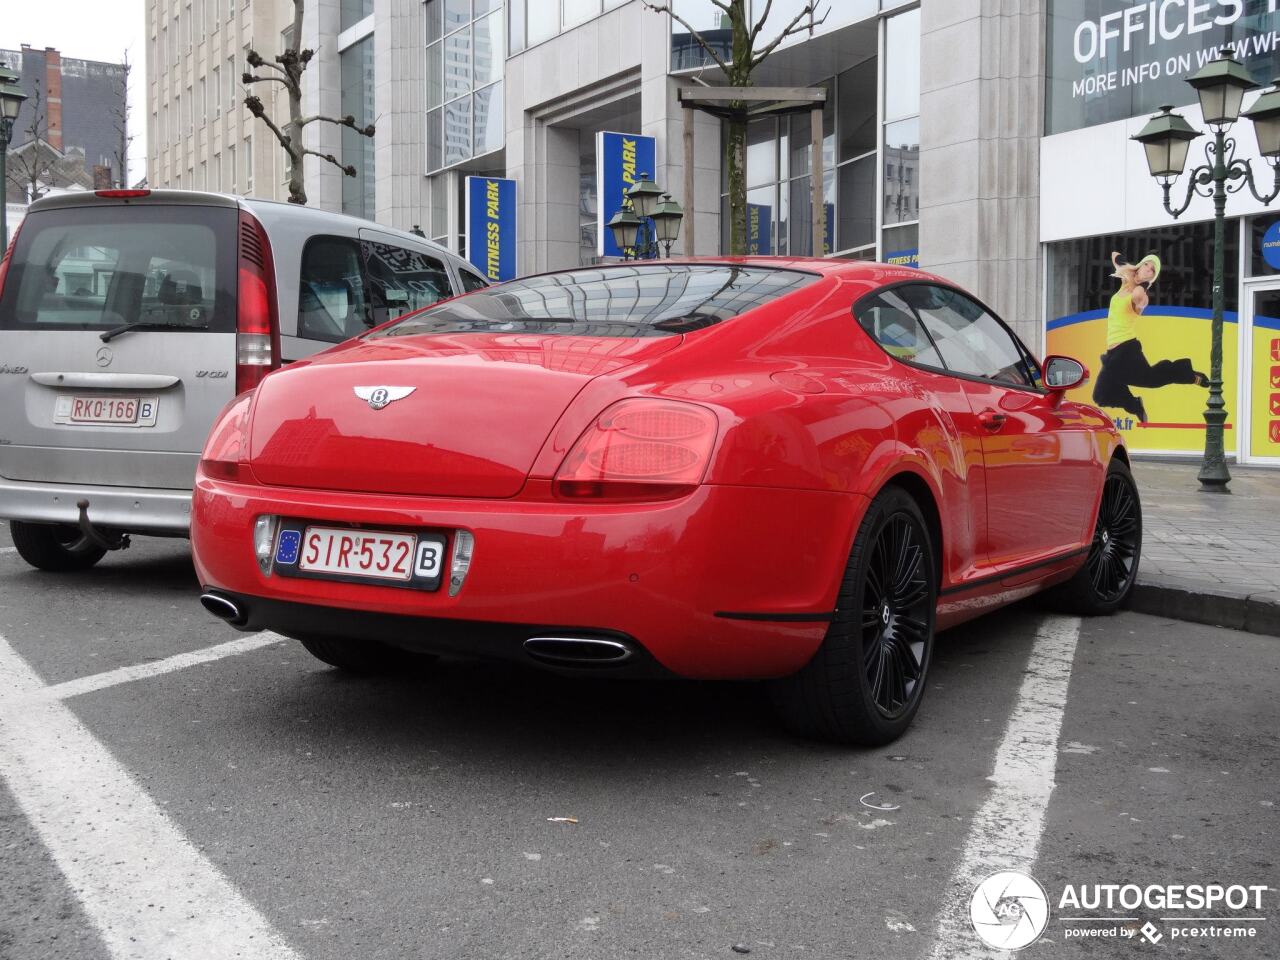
1260,385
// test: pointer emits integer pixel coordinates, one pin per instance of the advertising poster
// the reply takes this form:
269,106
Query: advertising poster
621,159
1148,360
759,229
491,227
1264,387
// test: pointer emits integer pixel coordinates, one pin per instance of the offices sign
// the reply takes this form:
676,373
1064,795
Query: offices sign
620,160
1114,59
491,227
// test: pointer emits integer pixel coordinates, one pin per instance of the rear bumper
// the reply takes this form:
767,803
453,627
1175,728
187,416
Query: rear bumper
132,509
729,582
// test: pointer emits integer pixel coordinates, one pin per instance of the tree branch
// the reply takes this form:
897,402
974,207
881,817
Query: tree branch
347,121
348,169
255,60
755,31
790,30
666,8
255,107
247,78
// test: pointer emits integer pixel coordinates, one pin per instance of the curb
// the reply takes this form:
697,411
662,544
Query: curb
1216,606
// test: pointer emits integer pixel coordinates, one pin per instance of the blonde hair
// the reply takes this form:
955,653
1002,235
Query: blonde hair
1128,272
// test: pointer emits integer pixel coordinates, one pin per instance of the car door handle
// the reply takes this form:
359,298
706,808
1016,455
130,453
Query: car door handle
992,419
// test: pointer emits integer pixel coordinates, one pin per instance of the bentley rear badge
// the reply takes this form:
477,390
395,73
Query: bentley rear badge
379,397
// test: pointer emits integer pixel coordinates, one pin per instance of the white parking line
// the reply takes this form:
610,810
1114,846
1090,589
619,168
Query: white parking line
147,889
180,661
1005,834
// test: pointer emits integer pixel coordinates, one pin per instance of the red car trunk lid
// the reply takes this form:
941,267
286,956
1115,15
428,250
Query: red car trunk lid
480,409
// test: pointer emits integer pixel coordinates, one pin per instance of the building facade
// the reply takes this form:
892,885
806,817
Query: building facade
72,130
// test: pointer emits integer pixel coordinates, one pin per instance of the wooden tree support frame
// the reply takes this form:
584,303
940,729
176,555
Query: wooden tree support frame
723,102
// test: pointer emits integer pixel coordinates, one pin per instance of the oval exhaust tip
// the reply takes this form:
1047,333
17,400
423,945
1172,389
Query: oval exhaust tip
222,608
577,651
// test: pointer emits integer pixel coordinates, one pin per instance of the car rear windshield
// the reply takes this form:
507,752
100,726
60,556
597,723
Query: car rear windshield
97,267
614,301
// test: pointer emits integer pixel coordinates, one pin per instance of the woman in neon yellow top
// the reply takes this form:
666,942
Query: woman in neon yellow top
1124,365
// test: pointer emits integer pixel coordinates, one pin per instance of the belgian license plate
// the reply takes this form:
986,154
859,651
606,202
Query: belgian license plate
346,554
106,411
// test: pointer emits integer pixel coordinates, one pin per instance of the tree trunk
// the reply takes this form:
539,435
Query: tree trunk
735,161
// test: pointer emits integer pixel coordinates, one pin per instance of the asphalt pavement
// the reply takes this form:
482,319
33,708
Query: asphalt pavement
472,810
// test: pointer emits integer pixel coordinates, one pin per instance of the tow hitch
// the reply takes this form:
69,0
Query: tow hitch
113,541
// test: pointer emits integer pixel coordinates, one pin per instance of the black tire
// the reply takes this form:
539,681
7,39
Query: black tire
363,656
1105,583
865,683
56,547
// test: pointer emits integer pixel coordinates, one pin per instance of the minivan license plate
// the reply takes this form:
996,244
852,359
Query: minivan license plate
106,411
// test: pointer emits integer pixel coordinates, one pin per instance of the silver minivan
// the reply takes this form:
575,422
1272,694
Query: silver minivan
130,318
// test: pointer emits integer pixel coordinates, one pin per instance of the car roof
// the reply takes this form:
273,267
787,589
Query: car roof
273,210
867,272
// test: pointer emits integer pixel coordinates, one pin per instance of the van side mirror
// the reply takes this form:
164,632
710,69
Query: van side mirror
1063,373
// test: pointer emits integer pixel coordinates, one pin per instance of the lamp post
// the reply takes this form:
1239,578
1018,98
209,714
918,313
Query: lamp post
647,221
11,97
1167,137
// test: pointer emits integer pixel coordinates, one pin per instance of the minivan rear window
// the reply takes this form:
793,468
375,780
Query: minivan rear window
97,267
640,300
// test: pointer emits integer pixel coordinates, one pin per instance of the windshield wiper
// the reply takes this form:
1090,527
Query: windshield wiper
146,325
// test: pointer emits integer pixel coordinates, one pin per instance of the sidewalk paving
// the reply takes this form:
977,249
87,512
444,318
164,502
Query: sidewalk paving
1210,558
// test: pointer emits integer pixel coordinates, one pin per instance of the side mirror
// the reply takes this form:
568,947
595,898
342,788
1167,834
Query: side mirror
1063,373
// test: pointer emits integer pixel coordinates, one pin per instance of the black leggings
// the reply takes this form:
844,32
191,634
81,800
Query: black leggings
1125,366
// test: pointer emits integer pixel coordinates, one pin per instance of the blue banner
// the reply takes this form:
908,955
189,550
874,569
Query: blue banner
491,227
621,160
904,258
759,229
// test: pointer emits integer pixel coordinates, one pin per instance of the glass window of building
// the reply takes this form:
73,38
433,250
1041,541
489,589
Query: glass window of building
466,48
352,12
900,185
356,71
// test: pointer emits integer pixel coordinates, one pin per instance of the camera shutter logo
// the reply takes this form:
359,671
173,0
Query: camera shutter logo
1009,910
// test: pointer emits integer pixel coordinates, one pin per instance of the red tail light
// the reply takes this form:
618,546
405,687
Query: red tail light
8,255
640,449
226,452
257,316
122,194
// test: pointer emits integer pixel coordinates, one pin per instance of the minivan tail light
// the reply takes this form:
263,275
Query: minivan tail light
257,314
122,194
8,255
640,449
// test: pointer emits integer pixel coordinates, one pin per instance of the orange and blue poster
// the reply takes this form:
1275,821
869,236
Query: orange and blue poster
1149,362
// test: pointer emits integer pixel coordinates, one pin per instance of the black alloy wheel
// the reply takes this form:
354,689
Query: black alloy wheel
867,679
895,616
1105,581
1113,555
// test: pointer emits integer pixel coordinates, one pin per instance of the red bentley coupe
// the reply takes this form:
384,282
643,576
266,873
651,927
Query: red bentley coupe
758,468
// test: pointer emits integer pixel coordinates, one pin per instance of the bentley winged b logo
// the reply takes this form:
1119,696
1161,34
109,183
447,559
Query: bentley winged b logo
379,397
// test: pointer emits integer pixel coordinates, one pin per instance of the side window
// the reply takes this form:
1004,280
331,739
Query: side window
471,281
332,302
402,281
893,324
971,341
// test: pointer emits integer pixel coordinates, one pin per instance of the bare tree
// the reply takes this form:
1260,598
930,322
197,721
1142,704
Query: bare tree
120,111
287,69
31,169
738,63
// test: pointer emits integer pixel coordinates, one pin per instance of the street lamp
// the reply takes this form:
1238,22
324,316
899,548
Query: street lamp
11,97
1221,85
648,220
